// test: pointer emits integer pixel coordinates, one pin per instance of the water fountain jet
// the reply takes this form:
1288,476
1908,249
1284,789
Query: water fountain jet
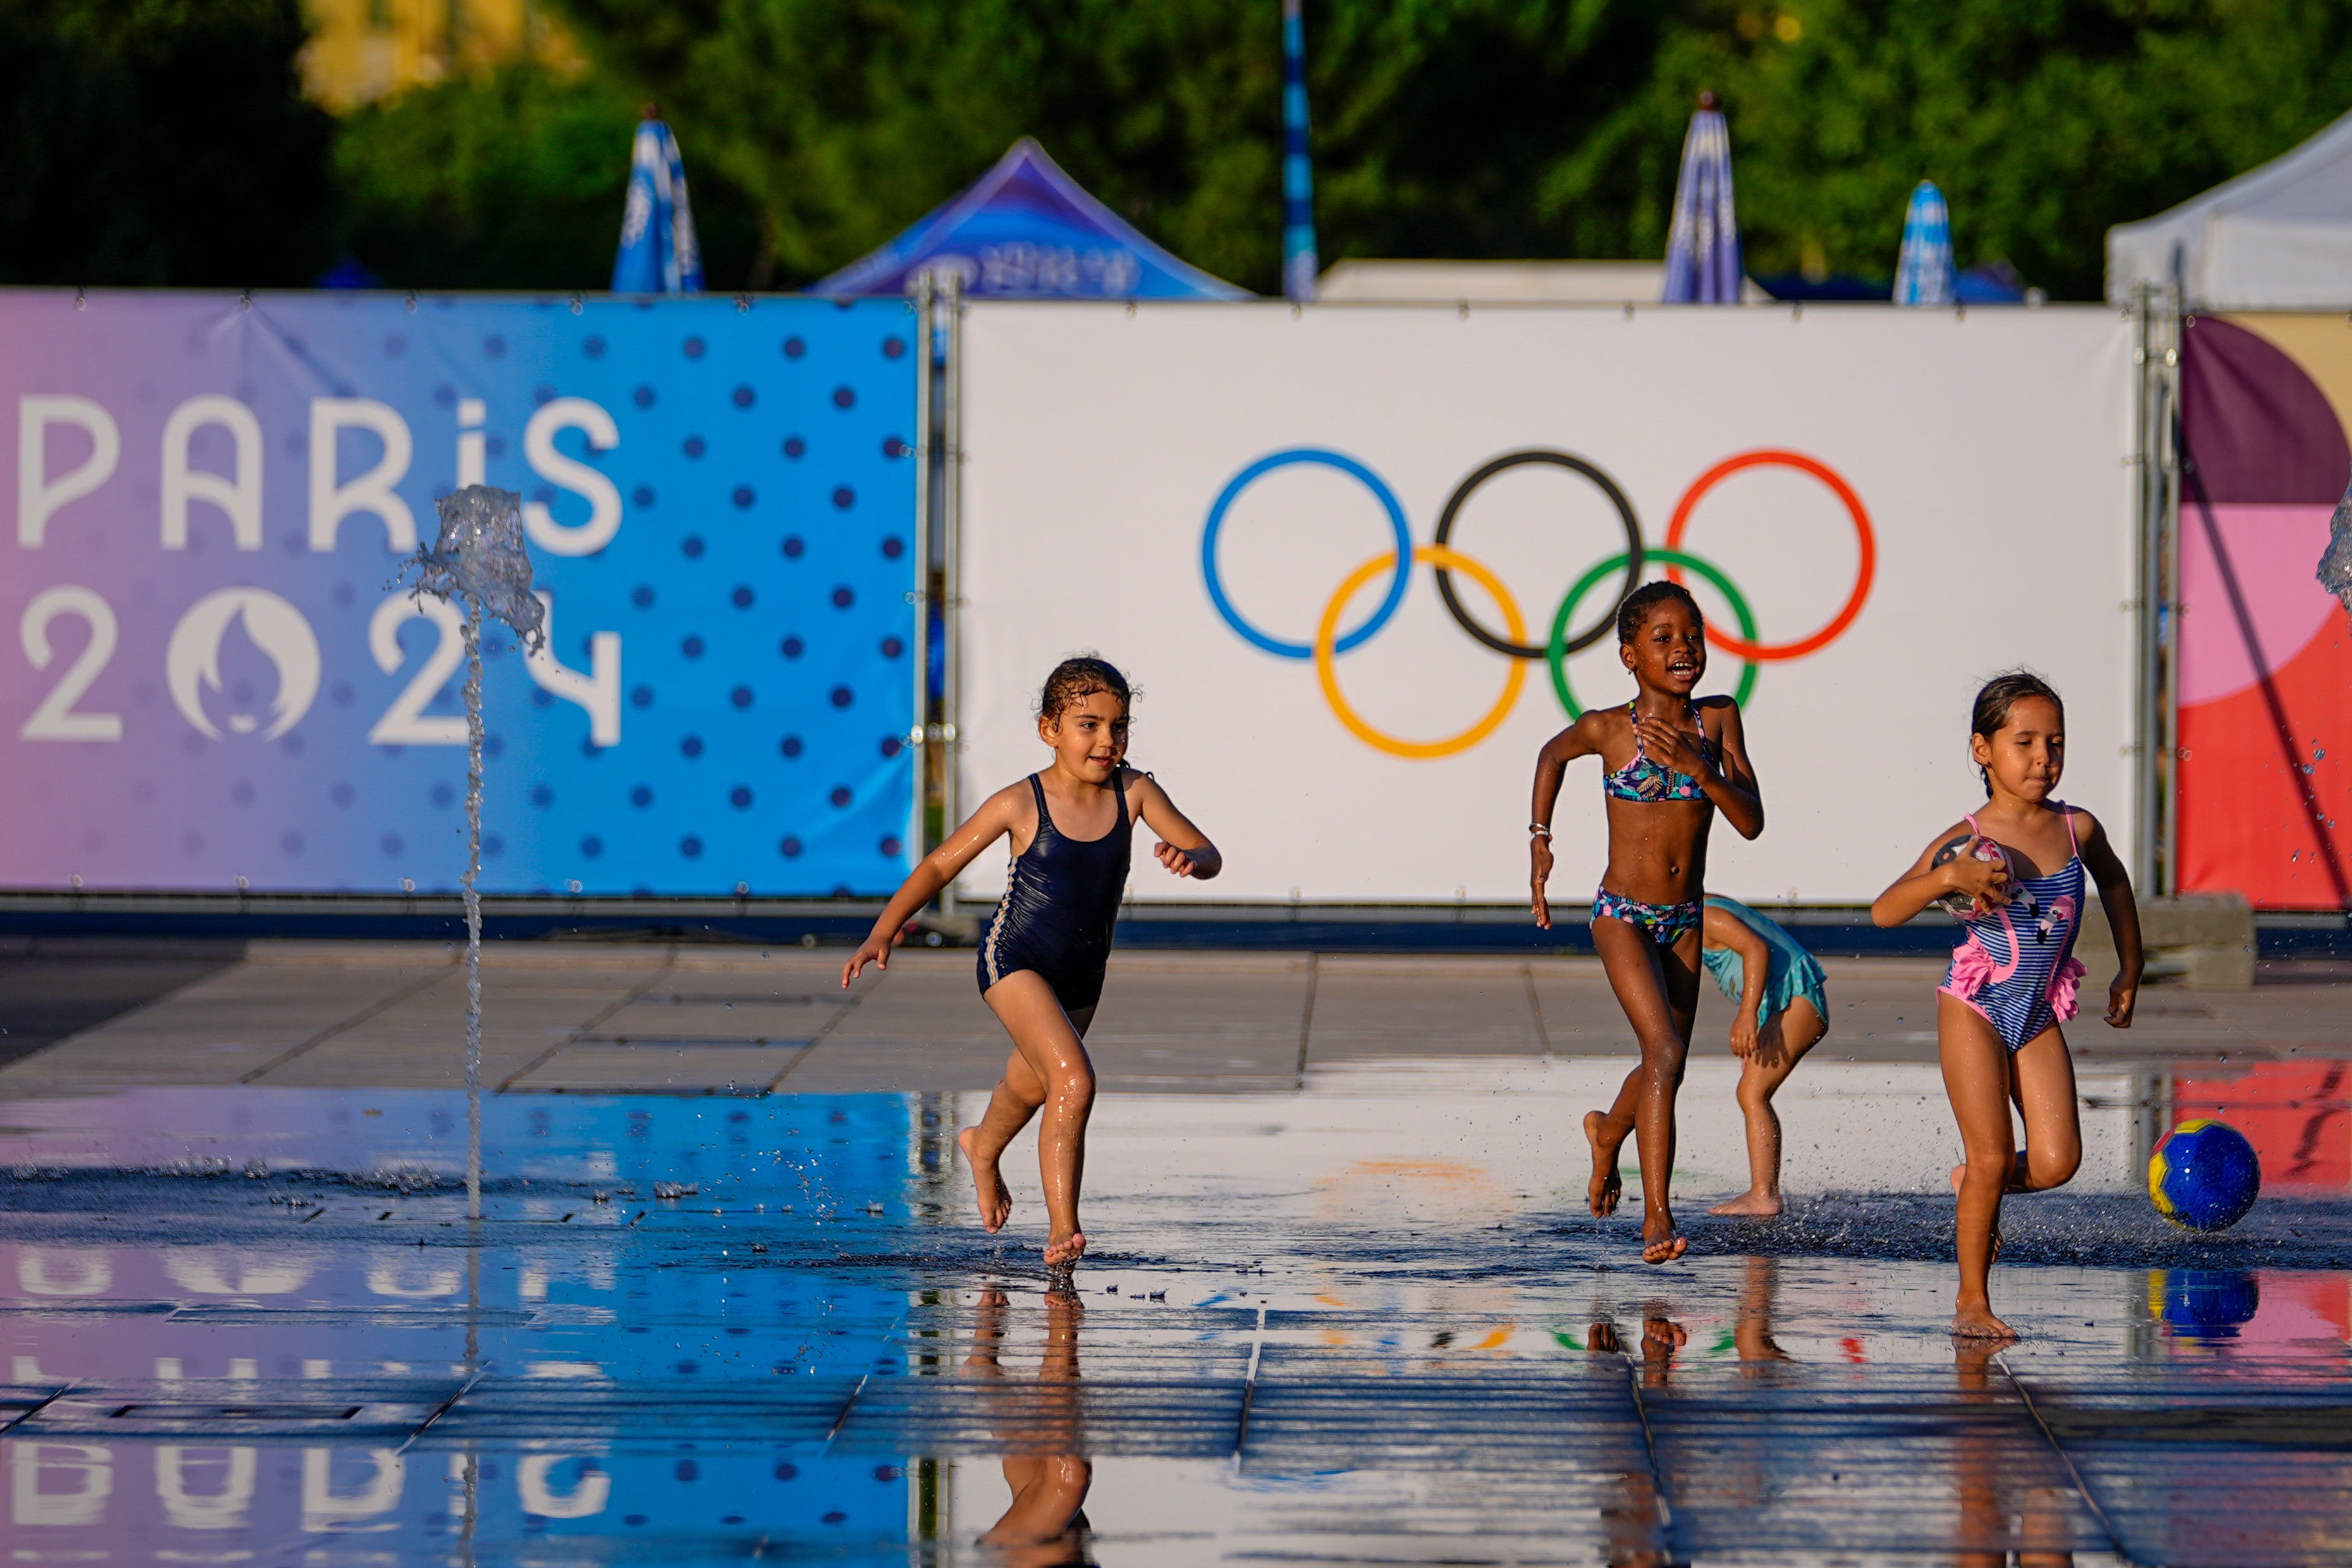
479,558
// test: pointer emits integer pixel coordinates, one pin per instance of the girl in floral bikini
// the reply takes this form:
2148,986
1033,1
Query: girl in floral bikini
1671,764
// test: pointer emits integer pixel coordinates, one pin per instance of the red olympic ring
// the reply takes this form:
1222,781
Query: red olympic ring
1771,457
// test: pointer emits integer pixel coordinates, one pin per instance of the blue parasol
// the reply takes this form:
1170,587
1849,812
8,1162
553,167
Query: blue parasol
1702,245
1923,272
658,253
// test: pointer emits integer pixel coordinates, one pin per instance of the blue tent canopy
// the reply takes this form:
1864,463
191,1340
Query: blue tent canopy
1026,230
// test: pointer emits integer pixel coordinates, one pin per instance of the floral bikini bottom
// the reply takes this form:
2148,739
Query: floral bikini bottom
1665,925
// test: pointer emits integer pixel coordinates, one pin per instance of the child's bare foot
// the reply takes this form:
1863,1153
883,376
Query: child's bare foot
1755,1205
1979,1323
1660,1242
1061,1251
1958,1172
1601,1194
995,1198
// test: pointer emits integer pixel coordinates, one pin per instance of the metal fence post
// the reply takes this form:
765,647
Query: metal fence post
952,611
2168,429
2156,356
919,736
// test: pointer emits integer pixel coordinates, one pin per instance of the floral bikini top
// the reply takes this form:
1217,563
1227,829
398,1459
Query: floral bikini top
1642,779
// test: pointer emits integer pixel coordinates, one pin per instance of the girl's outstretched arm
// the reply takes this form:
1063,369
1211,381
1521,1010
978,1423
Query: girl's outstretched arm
1183,848
997,816
2107,869
1720,927
1925,882
1582,739
1731,786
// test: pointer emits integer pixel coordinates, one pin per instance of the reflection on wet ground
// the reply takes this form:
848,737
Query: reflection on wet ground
1364,1321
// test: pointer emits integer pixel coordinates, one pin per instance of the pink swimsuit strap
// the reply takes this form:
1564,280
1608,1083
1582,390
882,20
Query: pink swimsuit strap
2072,843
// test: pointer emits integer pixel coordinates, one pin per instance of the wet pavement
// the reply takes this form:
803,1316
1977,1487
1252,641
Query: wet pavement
1358,1322
1351,1311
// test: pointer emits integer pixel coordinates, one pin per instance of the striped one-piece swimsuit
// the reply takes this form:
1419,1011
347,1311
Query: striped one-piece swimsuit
1061,902
2017,965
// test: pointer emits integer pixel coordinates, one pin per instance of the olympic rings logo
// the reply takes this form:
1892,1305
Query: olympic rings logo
1444,560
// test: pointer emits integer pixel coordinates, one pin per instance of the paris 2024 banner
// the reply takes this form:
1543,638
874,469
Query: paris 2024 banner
1333,547
215,683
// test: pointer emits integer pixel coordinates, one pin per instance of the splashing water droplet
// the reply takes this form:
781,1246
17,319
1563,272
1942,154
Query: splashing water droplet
2336,563
480,555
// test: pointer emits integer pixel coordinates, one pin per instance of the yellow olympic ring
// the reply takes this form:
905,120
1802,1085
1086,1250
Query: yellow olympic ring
1327,633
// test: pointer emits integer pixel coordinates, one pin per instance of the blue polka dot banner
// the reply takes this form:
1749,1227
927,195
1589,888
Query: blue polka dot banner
215,685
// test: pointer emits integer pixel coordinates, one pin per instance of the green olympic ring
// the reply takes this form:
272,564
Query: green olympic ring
1556,649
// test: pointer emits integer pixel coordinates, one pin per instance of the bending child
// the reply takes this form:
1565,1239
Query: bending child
1043,953
1671,764
2014,871
1784,1010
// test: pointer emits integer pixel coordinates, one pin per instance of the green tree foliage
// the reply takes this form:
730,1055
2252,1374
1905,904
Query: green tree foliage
513,180
164,142
845,120
1496,128
151,141
2044,122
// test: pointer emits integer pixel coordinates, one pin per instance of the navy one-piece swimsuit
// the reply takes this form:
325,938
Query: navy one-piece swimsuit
1059,906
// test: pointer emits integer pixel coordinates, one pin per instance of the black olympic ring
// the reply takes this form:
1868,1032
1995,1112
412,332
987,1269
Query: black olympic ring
1608,485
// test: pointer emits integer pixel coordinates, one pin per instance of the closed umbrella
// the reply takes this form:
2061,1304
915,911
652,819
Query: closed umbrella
1923,272
658,253
1702,245
1298,262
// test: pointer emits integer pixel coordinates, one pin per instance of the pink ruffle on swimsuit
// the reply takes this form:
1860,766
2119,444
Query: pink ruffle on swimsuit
2017,965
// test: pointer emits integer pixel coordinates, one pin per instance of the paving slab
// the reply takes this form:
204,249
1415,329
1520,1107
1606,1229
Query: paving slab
1403,1007
51,987
237,1021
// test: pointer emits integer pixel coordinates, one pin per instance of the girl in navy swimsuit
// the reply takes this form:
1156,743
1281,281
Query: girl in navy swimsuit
1041,953
1671,764
2013,977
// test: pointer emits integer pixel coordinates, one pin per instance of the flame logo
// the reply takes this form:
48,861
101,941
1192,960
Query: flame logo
192,662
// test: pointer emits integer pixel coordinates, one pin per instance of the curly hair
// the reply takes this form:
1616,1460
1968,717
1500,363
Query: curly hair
1996,697
1074,679
1634,610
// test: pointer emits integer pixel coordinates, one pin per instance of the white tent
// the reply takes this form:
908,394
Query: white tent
2277,239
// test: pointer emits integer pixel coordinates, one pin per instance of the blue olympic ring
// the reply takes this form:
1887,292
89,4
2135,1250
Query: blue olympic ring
1400,579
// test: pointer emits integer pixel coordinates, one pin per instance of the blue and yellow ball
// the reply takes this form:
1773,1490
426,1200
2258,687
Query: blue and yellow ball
2204,1175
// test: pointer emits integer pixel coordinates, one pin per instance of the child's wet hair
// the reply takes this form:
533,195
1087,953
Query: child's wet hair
1076,679
1996,697
1636,607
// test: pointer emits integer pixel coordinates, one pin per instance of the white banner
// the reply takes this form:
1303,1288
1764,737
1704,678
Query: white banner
1906,502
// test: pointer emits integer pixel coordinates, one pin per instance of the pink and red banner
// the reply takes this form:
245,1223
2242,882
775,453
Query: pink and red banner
2264,654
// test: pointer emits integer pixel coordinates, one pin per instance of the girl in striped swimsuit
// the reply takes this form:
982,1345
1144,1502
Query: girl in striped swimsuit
1043,953
1672,764
2016,872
